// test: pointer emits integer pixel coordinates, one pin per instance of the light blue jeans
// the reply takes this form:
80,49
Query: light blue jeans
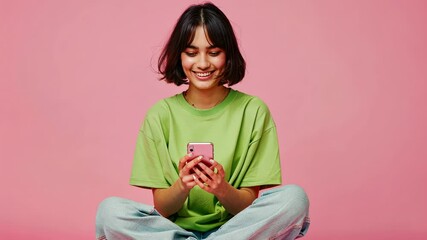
279,213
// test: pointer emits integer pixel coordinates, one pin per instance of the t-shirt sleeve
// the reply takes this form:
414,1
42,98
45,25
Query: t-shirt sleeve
147,170
263,153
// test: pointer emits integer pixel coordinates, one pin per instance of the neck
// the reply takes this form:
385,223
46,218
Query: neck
205,99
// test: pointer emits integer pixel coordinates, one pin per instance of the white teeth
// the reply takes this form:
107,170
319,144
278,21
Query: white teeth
205,74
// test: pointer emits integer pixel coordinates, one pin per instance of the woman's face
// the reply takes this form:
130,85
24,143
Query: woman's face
202,62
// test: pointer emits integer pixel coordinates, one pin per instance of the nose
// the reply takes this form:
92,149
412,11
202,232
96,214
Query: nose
203,62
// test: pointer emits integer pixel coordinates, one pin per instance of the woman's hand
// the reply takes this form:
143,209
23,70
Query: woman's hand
168,201
211,179
186,164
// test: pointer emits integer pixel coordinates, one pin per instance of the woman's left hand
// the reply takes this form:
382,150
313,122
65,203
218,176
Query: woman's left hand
211,179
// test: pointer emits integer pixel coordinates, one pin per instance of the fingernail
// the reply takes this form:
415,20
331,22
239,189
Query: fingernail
190,154
200,157
212,161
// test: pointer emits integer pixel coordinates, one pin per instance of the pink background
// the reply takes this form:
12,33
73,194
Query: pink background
345,81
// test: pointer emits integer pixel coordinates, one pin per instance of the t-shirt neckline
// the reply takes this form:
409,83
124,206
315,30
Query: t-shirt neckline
207,112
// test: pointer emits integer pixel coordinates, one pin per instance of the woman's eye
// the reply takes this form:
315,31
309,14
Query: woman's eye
191,54
214,54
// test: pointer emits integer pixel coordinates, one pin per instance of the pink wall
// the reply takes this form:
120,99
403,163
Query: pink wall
345,81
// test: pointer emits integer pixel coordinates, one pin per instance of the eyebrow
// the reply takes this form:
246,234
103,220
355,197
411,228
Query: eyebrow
210,47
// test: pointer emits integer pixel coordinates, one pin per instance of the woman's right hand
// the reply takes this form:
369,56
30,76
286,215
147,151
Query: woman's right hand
168,201
187,178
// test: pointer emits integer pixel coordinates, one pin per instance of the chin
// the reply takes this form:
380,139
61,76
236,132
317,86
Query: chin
205,85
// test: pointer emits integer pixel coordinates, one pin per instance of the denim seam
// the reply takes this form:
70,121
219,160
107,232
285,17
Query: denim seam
287,230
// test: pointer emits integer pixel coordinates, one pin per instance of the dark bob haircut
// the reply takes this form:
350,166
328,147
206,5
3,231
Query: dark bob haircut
220,33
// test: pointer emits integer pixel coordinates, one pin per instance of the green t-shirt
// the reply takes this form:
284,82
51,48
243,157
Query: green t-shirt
245,142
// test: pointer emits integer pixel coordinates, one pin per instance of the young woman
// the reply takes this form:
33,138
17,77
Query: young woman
216,199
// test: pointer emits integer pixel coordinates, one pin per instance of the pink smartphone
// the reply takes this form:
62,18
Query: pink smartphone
204,149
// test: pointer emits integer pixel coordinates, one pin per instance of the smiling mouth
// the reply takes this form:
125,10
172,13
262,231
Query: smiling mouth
204,74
